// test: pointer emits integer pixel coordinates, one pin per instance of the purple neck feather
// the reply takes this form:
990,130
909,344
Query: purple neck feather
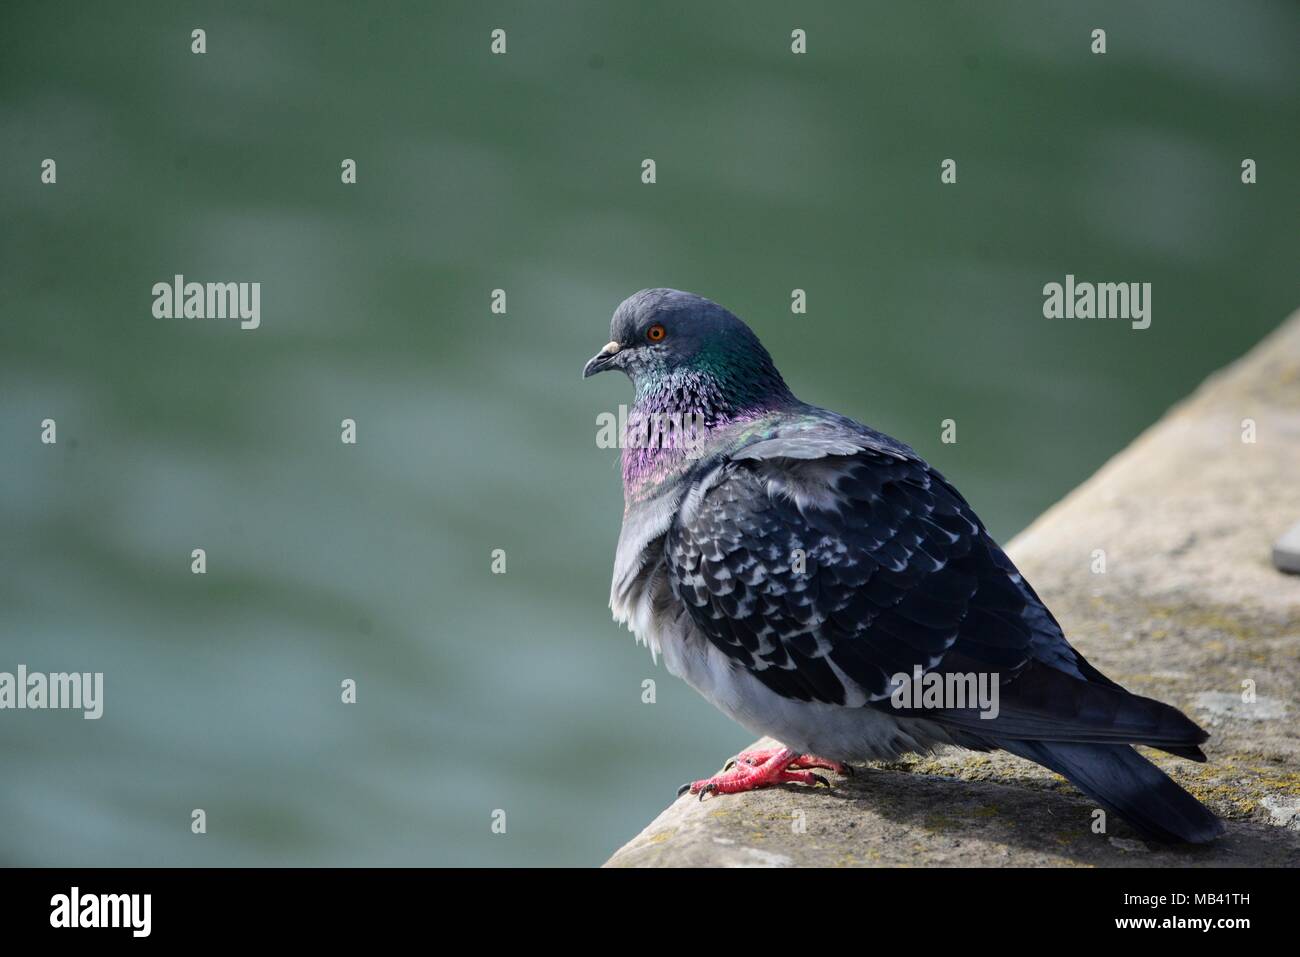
676,419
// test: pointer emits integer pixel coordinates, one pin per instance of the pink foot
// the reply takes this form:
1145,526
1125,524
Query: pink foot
759,769
760,755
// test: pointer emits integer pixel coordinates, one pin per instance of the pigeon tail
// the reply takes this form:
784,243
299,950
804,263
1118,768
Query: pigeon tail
1127,784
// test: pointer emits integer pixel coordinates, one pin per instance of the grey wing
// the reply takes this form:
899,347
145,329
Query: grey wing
827,577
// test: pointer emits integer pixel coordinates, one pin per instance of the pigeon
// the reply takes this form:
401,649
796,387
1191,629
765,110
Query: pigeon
807,574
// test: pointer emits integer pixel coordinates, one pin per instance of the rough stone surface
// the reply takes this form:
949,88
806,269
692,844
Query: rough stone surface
1189,610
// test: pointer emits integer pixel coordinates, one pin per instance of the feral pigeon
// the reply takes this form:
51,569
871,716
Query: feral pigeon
809,575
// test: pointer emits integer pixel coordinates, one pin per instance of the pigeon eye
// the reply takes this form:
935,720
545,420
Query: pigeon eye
656,333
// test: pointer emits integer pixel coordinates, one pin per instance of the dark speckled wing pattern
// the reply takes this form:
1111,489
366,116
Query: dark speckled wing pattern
897,572
825,577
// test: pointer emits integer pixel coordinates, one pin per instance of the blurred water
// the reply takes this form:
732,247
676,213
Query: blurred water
475,691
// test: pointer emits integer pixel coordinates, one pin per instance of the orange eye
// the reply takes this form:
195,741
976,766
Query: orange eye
656,333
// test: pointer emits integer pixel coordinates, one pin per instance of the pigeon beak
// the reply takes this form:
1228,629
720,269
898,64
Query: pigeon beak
601,360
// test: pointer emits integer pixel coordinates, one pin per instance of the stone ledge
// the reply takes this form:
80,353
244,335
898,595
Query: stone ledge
1187,516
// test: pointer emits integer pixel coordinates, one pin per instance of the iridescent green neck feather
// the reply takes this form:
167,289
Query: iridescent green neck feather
681,414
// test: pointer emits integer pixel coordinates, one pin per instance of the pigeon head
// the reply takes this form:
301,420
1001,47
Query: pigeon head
686,353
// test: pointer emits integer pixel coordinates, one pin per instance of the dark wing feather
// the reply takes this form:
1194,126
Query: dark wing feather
899,573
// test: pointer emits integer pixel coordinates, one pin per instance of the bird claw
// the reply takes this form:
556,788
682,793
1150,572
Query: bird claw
751,770
699,788
801,762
